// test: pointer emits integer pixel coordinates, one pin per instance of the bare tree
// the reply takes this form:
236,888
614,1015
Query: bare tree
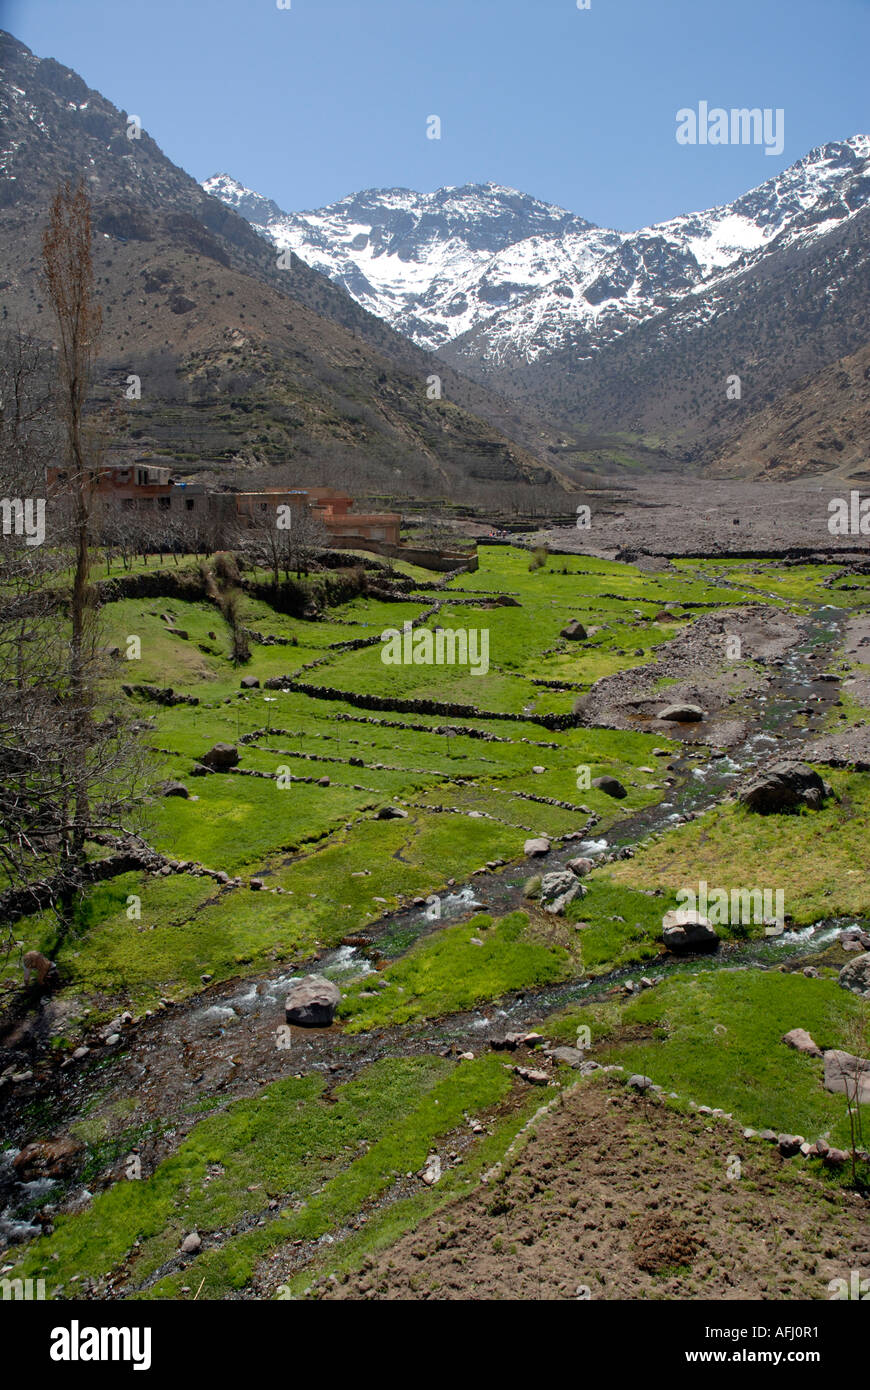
68,770
69,276
305,535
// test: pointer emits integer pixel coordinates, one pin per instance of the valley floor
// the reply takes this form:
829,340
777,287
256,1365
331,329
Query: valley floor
170,1104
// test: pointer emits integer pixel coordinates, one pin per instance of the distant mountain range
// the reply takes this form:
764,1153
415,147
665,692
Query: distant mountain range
632,333
245,366
507,279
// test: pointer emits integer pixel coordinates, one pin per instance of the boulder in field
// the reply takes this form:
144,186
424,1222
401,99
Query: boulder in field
580,866
611,786
221,757
681,714
684,930
856,974
848,1075
835,1158
574,631
391,813
538,845
506,601
175,789
559,889
784,787
569,1056
800,1040
640,1082
312,1002
249,683
533,1076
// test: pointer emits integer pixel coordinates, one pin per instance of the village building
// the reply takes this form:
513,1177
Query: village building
148,488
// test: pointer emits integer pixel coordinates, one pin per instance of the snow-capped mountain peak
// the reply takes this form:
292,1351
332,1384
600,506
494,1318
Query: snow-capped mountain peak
503,277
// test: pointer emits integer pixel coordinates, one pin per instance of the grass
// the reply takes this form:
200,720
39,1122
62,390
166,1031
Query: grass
458,967
816,858
719,1043
329,1157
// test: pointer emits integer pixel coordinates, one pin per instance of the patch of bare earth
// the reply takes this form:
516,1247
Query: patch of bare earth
617,1197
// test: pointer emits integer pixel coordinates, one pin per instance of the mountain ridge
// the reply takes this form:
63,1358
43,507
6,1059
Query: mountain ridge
239,359
530,270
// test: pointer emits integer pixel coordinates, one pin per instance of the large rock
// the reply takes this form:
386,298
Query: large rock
221,757
432,1172
580,866
856,975
49,1158
574,631
569,1056
171,788
783,787
391,813
536,846
800,1040
681,714
312,1002
684,930
559,889
848,1075
611,786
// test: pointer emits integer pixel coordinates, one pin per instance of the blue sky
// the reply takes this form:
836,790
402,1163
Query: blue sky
575,106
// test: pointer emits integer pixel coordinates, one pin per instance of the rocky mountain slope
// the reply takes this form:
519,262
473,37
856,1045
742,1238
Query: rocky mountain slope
241,361
823,422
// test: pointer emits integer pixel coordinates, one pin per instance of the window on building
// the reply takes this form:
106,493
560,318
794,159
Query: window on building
188,502
164,503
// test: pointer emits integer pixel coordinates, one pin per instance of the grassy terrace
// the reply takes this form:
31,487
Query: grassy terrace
715,1037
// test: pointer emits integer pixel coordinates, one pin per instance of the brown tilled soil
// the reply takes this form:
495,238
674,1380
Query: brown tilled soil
618,1197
